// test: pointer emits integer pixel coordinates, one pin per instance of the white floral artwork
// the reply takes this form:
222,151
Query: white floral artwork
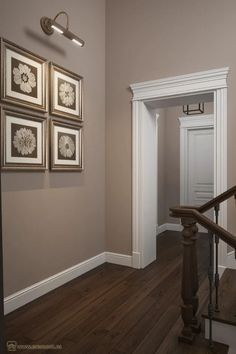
66,146
24,78
24,141
67,94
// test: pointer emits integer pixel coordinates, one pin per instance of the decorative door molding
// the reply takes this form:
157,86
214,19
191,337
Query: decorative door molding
214,81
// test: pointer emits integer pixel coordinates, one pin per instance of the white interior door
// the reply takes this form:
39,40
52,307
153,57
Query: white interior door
197,161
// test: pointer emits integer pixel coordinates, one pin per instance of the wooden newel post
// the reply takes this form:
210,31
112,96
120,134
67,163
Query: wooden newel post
189,281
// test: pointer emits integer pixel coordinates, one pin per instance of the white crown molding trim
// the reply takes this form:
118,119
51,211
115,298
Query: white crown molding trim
182,84
43,287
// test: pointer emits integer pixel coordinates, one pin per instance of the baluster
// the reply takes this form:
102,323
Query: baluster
196,326
189,280
211,279
217,278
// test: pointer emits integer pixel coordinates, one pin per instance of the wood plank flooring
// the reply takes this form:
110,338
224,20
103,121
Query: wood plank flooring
114,309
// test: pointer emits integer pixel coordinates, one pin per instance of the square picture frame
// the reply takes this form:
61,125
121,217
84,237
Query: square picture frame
66,146
65,93
23,140
23,77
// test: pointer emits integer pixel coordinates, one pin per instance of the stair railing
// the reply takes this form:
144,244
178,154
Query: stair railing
190,216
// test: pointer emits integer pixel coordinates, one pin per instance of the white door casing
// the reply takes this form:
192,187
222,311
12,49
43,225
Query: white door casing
143,203
197,161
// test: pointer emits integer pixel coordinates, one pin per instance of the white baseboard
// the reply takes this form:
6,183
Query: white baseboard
36,290
175,227
222,333
136,260
117,258
221,270
231,262
169,227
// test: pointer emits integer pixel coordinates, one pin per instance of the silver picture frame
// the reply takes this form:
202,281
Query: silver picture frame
66,146
65,93
23,77
23,141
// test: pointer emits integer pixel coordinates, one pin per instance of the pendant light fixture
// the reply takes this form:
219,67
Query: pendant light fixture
193,109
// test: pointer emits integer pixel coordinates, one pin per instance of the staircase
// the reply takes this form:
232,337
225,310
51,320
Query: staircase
224,321
201,346
220,313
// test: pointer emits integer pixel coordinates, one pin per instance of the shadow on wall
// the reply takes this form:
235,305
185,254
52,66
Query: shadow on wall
45,41
26,181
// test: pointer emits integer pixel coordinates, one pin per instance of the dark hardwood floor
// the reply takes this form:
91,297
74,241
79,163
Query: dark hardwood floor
113,309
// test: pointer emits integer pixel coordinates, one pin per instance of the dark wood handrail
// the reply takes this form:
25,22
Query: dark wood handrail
217,200
181,212
189,216
213,202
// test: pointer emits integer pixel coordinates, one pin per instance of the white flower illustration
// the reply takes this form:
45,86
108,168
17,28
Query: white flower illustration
67,94
24,77
66,146
24,141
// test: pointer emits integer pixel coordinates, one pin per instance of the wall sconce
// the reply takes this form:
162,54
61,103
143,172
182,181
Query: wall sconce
195,109
49,25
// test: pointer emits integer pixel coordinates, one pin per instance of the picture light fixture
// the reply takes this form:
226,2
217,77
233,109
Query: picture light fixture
49,25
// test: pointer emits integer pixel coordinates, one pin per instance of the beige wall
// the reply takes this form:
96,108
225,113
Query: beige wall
151,39
52,221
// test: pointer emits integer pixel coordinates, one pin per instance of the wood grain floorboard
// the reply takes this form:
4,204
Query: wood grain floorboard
113,309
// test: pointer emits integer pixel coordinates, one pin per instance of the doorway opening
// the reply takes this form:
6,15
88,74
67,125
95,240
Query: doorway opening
144,163
185,157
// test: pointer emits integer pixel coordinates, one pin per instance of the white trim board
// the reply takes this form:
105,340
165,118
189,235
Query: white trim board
43,287
222,333
231,263
203,81
143,203
169,227
117,258
174,227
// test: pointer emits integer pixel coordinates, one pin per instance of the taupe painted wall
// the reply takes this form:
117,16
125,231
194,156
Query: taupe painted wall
151,39
55,220
52,221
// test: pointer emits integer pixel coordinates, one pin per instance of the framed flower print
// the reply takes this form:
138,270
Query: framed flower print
66,146
65,93
23,77
23,141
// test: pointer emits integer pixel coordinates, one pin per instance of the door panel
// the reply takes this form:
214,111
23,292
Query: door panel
201,166
197,161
